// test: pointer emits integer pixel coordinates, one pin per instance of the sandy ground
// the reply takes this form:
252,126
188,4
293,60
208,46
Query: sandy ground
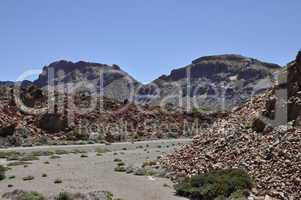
95,173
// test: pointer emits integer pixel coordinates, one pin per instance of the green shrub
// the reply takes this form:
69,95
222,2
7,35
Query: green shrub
219,183
10,155
117,160
58,181
2,172
121,164
42,153
55,157
101,150
29,158
61,152
28,178
17,163
63,196
31,196
120,169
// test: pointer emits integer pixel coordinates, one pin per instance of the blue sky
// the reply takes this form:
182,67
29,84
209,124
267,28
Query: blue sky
146,38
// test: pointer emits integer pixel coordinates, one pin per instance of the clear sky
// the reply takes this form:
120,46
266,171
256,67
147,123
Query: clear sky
147,38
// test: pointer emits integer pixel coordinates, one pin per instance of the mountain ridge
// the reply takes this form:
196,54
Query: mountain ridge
206,75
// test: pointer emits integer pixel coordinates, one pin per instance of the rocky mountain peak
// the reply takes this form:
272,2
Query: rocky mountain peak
228,79
115,81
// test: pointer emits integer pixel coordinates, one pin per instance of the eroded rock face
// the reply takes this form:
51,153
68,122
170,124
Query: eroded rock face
215,82
65,74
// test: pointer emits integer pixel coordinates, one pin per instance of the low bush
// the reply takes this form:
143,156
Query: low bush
28,178
58,181
29,158
120,169
31,196
17,163
2,172
101,150
63,196
219,183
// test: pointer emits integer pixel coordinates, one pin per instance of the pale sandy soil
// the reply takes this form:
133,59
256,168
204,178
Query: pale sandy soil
95,173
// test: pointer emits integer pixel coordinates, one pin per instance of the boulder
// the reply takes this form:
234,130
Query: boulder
52,122
258,125
7,130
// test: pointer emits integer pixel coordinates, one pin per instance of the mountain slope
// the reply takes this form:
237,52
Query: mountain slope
253,138
213,82
116,83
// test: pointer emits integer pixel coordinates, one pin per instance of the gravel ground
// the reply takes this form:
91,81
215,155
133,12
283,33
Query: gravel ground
95,173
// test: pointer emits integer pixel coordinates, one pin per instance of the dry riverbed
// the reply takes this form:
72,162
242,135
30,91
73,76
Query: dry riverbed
89,170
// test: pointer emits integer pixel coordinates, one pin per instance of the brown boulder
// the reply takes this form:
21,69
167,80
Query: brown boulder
258,125
7,130
52,122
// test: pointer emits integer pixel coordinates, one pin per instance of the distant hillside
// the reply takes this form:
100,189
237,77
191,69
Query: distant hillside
214,82
116,82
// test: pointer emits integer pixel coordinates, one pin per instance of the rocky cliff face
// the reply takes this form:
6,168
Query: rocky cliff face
108,80
213,82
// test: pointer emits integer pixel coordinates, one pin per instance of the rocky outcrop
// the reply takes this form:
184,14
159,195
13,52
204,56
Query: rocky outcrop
214,82
249,138
106,80
109,121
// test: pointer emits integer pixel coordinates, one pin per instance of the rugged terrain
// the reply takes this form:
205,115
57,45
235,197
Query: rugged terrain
60,120
209,83
263,137
214,82
92,172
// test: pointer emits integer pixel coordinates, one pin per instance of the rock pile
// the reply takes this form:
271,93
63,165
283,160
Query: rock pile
107,123
245,139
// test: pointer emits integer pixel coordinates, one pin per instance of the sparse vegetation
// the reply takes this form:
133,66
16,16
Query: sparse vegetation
10,155
12,177
31,196
121,164
117,160
42,153
220,183
2,172
55,157
101,150
17,163
84,156
63,196
58,181
28,178
120,169
61,152
29,158
78,151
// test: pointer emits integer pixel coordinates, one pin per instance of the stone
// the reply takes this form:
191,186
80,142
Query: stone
258,125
